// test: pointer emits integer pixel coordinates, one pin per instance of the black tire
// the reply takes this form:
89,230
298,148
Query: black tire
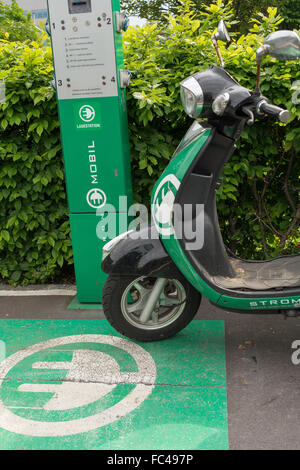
113,291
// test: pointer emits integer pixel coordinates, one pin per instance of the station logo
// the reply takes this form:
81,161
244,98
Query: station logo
87,113
96,198
87,116
73,384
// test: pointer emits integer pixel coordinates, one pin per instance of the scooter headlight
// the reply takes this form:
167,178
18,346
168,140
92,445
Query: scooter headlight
192,97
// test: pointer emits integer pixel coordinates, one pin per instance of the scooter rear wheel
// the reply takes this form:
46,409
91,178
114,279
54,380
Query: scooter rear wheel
147,309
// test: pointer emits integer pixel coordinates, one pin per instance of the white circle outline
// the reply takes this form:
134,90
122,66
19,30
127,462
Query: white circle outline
91,108
175,181
88,198
145,381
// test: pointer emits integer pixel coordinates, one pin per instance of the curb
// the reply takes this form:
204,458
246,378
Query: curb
37,291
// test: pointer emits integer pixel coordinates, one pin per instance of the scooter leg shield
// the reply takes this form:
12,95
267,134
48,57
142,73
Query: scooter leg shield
141,254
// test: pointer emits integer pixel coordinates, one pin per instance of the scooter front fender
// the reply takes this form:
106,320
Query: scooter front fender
141,254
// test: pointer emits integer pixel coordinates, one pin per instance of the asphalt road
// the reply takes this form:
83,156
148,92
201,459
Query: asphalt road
263,386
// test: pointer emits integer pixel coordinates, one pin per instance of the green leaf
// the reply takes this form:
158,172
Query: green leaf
5,235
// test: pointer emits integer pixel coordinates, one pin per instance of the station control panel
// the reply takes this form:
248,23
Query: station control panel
84,48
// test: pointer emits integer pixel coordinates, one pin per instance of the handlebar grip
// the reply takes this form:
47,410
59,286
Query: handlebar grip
266,108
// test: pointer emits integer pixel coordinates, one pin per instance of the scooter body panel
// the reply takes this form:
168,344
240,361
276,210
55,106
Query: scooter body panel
141,254
163,200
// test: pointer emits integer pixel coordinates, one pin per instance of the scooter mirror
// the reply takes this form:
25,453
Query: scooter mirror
282,45
222,34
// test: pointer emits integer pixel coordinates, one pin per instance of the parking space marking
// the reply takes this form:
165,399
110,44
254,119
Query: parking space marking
91,376
83,386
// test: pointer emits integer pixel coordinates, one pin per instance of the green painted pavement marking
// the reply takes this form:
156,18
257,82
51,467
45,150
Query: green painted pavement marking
124,395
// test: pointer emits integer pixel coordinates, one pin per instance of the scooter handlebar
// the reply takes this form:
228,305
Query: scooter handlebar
265,108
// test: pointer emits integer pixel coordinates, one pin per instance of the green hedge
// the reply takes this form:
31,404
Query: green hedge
34,227
258,200
14,24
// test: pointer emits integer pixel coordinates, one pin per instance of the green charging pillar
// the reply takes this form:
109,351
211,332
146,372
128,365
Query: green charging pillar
91,91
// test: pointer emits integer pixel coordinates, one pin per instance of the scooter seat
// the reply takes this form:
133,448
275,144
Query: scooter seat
263,275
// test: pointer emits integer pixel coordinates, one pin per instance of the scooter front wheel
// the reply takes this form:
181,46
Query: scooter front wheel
149,309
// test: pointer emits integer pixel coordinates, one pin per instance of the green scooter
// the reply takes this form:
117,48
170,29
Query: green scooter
158,275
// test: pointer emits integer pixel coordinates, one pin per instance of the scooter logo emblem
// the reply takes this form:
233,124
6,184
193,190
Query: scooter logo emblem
81,396
96,198
87,113
163,204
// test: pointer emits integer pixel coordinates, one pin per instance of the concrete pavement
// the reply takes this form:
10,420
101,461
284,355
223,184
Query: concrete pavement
263,386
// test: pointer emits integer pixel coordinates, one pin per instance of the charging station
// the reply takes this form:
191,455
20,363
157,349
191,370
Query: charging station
91,91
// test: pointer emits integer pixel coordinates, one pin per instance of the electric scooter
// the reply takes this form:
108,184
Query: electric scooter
157,276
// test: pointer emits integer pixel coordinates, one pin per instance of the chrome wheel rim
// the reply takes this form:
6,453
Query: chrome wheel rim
168,308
